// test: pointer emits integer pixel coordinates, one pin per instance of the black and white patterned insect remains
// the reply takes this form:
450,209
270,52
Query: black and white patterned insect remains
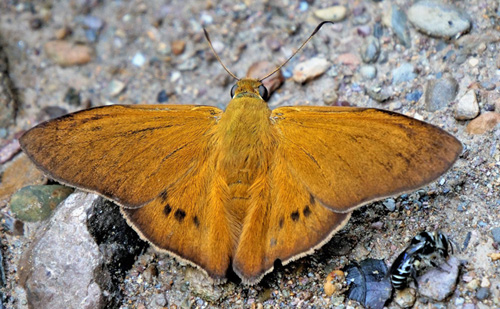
427,249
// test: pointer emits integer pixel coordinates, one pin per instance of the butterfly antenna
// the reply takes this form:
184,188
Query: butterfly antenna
303,44
217,56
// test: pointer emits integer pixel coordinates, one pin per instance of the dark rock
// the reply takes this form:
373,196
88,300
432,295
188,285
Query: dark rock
118,243
72,97
368,283
162,97
482,293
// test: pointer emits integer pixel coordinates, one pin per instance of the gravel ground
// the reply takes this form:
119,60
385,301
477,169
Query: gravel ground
148,52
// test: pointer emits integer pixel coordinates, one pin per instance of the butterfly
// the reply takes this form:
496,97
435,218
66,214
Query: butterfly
244,187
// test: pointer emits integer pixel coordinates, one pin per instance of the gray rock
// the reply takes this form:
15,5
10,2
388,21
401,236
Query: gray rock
483,293
438,19
440,282
496,234
370,50
403,73
399,24
467,107
60,268
440,92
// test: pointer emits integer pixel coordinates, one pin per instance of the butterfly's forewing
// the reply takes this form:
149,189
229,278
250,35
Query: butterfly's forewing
156,161
347,157
125,153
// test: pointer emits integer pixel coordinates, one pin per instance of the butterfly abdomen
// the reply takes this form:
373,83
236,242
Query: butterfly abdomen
245,139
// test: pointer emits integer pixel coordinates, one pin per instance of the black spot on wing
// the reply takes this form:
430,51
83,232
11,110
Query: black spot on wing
306,211
179,215
295,216
167,209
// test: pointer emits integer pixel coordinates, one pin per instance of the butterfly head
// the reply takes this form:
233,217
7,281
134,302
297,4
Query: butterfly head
249,87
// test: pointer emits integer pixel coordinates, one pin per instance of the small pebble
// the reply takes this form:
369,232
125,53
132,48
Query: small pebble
62,33
72,97
370,50
472,285
161,300
333,282
115,87
368,71
485,283
67,54
390,204
333,13
484,123
162,97
93,22
482,293
378,94
438,19
467,107
495,232
405,298
414,96
349,59
494,256
473,62
178,47
310,69
330,96
440,92
36,23
364,31
138,60
404,73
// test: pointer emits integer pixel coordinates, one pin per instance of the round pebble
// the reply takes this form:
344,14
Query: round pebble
438,19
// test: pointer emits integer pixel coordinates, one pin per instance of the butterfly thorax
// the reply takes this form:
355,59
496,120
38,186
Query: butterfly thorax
246,144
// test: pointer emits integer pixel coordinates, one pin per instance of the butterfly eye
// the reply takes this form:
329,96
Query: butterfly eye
233,90
263,92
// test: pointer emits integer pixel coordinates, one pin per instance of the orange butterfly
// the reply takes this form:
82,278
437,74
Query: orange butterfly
245,186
